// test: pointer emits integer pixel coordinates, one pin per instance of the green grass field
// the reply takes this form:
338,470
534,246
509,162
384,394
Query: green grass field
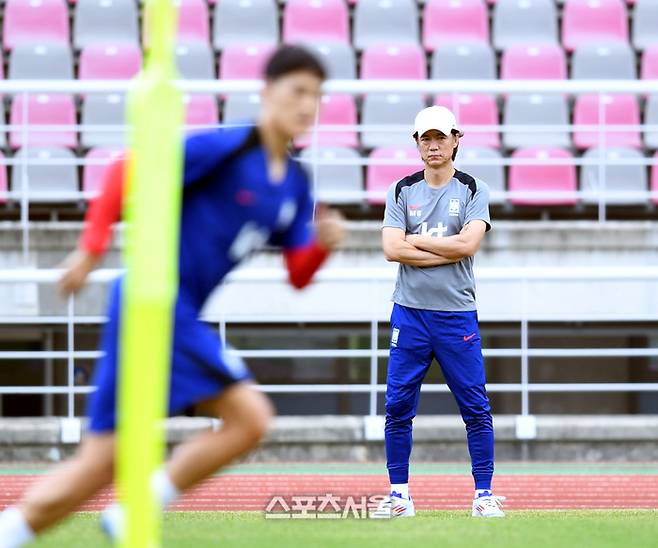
636,529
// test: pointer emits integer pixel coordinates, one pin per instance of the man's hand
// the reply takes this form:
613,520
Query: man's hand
329,228
412,239
77,267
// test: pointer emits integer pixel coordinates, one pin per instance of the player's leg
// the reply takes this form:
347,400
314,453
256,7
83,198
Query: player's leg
457,346
61,492
409,359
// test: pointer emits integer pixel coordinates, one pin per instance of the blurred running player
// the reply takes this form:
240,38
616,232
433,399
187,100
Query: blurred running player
241,190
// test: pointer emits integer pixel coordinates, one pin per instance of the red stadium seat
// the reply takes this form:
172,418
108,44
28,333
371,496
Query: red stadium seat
43,110
316,21
35,21
533,62
92,173
111,62
475,110
193,21
654,178
547,177
617,110
650,63
380,177
404,61
201,110
593,21
454,21
336,109
244,62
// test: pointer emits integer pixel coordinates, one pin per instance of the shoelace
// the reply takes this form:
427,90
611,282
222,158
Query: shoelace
493,501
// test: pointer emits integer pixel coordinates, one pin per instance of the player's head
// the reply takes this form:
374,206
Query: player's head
437,135
293,83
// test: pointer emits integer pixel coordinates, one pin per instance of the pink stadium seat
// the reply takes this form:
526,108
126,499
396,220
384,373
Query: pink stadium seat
548,176
533,62
43,110
475,110
35,21
654,177
316,21
650,63
115,62
405,61
193,21
244,62
93,172
593,21
3,180
380,177
618,110
201,110
454,20
336,109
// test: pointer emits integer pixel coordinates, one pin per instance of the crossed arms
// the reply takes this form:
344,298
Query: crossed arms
423,251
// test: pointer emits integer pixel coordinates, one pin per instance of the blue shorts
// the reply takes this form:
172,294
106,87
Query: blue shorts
200,368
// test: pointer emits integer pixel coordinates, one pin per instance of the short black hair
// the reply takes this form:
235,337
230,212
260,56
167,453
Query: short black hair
287,59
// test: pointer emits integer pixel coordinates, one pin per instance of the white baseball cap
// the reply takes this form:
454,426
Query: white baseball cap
435,117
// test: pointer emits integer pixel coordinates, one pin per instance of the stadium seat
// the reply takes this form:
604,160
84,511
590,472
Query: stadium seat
654,177
378,22
645,24
403,61
620,180
201,111
245,22
617,110
239,107
472,160
380,177
43,110
105,22
316,20
338,59
48,172
519,22
244,62
450,21
35,21
474,110
533,62
535,109
464,61
651,118
193,22
335,109
336,184
110,62
389,109
41,62
104,110
547,178
649,69
98,159
195,61
597,21
613,61
3,179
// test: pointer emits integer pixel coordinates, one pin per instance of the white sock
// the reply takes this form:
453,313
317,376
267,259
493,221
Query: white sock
401,488
164,489
14,530
480,492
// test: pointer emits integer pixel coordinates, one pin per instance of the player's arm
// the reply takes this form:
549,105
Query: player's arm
457,247
105,210
398,249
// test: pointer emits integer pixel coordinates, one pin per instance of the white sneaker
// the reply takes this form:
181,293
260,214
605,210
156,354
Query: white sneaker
394,506
488,507
112,522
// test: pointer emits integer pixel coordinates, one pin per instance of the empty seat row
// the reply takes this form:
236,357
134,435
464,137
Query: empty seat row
375,22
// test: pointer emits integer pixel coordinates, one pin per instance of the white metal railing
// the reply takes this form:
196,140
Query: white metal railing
373,388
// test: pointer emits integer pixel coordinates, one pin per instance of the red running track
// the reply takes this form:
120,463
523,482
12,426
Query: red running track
253,492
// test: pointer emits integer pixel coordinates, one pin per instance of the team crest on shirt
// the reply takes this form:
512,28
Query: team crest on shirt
453,208
415,211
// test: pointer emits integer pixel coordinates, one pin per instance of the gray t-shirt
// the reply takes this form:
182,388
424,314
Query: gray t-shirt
417,208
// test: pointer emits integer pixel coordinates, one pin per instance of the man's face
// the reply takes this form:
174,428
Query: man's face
291,102
436,148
